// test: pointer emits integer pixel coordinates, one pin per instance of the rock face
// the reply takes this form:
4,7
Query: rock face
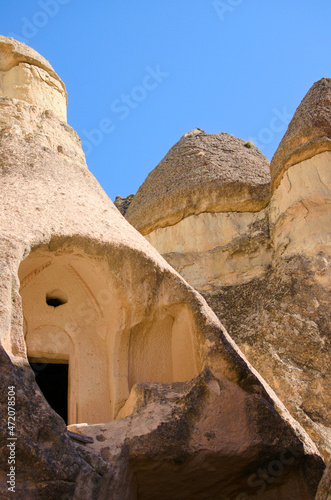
122,204
324,488
201,173
153,375
202,209
309,132
264,268
27,76
215,249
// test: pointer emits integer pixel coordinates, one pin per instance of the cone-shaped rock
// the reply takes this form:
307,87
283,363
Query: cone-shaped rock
122,347
309,132
265,273
201,173
27,76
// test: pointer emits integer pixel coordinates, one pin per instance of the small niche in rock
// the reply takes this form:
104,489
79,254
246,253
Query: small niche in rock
56,298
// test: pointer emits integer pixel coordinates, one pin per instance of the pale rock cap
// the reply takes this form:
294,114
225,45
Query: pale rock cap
26,75
201,173
309,132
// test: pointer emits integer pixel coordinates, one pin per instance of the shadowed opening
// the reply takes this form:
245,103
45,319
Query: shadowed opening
52,379
56,298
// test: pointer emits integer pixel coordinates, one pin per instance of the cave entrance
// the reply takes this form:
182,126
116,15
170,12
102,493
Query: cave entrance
52,379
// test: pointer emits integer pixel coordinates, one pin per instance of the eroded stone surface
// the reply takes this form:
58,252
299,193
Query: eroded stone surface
27,76
28,122
47,463
303,196
182,442
80,284
212,250
201,173
281,322
123,203
309,132
324,488
267,274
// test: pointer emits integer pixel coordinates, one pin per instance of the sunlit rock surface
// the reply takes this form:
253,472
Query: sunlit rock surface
171,404
263,265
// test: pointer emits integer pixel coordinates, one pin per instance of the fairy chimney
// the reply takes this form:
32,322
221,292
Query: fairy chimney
206,198
256,244
150,380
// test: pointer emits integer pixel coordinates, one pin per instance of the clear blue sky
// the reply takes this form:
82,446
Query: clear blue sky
143,73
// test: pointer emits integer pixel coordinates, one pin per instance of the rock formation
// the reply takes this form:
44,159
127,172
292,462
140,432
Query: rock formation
309,132
201,173
262,259
324,488
203,208
122,204
168,404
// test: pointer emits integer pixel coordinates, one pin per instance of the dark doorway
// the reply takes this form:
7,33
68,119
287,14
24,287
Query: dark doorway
52,379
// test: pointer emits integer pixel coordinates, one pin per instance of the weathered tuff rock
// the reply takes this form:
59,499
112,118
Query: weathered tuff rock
281,322
122,204
201,173
152,372
309,132
266,273
324,488
202,209
47,463
214,249
26,75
